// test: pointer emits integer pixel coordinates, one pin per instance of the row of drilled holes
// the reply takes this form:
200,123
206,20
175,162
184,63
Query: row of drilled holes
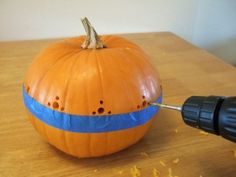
100,110
55,104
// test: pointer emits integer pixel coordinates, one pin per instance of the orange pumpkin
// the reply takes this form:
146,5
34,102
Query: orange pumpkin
90,96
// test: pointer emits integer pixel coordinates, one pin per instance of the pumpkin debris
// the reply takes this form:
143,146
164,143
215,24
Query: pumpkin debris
155,172
176,130
95,170
175,161
135,171
120,172
162,163
203,133
170,172
234,151
144,154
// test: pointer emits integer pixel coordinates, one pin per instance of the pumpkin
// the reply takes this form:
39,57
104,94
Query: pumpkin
90,96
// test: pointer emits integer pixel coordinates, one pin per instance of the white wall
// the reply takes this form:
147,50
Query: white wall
208,23
32,19
215,28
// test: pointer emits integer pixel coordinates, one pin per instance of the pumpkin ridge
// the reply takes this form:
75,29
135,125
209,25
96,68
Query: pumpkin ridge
123,82
38,86
142,71
145,74
107,38
48,69
117,42
66,143
45,131
114,40
51,87
67,84
86,85
70,79
89,145
137,71
98,63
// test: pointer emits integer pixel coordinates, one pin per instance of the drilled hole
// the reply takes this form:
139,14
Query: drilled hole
144,103
101,102
109,112
143,97
138,106
100,110
55,105
28,89
93,112
57,97
62,108
49,103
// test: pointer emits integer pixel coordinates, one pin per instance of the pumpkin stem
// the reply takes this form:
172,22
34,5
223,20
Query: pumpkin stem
92,40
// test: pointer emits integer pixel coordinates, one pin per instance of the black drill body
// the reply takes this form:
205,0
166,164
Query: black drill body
213,114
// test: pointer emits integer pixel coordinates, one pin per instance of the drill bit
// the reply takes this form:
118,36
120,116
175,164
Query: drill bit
177,108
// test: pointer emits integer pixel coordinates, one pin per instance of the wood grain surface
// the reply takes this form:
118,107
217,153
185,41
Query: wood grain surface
185,70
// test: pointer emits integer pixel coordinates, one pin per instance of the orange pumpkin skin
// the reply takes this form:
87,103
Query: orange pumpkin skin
89,144
117,79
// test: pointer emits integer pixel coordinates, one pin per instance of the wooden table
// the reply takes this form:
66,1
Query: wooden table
185,70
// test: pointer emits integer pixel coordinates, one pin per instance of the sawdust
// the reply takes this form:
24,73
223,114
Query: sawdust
155,172
162,163
118,171
170,172
176,161
234,151
135,172
203,133
144,154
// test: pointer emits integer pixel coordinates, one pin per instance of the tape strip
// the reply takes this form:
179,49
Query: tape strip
88,124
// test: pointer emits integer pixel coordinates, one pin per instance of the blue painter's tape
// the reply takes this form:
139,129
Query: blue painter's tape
88,124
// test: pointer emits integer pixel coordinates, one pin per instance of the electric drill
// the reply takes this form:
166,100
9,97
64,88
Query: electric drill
213,114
